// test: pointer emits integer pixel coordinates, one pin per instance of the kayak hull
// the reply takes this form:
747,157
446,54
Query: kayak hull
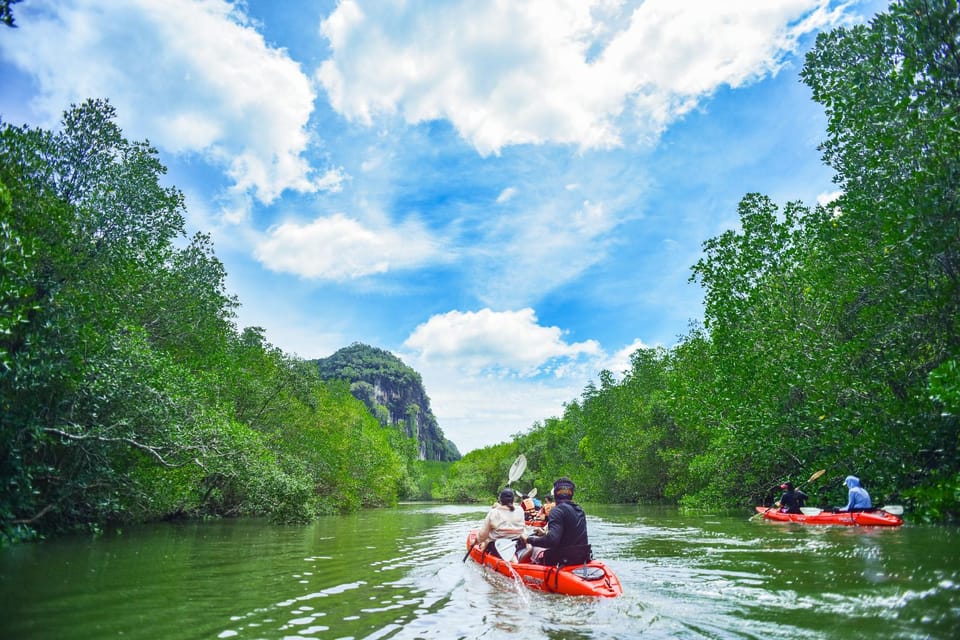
875,518
564,580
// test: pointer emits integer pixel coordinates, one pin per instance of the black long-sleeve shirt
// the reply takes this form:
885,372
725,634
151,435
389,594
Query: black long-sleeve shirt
566,527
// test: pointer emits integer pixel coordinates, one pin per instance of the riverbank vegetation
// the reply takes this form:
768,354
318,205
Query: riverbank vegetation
128,394
831,334
830,338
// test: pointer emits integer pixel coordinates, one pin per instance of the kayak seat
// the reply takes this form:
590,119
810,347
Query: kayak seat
589,573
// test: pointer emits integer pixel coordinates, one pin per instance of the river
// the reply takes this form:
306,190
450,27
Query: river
398,573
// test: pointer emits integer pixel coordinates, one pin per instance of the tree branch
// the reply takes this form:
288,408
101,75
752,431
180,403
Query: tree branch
153,451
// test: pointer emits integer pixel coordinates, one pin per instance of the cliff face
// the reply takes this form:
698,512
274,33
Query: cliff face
394,394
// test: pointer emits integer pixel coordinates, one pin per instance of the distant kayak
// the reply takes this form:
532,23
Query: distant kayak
591,579
875,518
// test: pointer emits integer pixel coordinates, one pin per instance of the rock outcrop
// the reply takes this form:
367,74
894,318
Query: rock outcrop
394,394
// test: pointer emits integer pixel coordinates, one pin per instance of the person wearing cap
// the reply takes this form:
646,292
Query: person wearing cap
504,520
566,541
857,497
792,499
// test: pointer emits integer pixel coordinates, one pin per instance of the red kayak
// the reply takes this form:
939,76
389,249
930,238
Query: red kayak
875,518
591,579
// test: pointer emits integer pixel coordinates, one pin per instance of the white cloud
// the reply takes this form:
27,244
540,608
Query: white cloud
826,198
506,195
192,76
492,374
341,248
619,362
476,412
468,358
562,71
510,343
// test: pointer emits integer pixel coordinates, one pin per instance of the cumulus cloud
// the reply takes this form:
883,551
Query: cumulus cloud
468,357
511,343
194,77
564,71
341,248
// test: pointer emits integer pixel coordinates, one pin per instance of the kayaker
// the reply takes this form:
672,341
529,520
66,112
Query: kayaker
504,520
544,511
566,540
529,509
792,499
857,497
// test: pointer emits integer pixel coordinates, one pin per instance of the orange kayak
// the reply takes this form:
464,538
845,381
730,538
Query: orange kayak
876,518
591,579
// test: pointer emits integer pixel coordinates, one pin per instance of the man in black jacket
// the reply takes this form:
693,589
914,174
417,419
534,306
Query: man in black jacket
792,499
566,539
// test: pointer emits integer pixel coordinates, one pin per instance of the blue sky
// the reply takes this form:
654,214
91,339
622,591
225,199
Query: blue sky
507,195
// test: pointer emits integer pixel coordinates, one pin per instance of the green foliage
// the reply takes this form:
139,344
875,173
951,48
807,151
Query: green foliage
480,475
830,334
6,12
127,393
430,476
945,386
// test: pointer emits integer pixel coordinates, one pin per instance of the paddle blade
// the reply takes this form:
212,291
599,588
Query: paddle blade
810,511
816,475
533,493
517,468
507,549
893,509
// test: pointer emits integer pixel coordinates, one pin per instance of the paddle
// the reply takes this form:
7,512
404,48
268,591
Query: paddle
507,548
516,470
816,474
892,509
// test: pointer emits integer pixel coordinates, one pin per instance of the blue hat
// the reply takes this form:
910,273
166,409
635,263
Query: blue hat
852,481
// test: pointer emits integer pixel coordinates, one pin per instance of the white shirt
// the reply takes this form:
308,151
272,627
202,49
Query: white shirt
501,522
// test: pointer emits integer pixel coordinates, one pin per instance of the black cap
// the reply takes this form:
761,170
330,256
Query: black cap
563,489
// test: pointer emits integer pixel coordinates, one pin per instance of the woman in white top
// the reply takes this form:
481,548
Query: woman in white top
504,520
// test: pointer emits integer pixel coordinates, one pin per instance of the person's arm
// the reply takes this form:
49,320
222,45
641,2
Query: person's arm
850,498
554,531
484,532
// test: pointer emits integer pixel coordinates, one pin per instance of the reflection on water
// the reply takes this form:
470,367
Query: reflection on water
398,573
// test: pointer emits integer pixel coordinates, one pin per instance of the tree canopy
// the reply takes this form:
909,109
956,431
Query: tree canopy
831,334
127,392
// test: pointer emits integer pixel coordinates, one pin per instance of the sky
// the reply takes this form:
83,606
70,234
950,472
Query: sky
507,195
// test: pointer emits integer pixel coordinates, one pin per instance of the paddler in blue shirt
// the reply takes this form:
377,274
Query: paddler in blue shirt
857,498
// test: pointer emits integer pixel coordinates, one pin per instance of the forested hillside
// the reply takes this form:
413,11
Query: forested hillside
127,392
394,394
831,336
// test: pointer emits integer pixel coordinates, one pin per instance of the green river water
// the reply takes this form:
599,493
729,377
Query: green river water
398,573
